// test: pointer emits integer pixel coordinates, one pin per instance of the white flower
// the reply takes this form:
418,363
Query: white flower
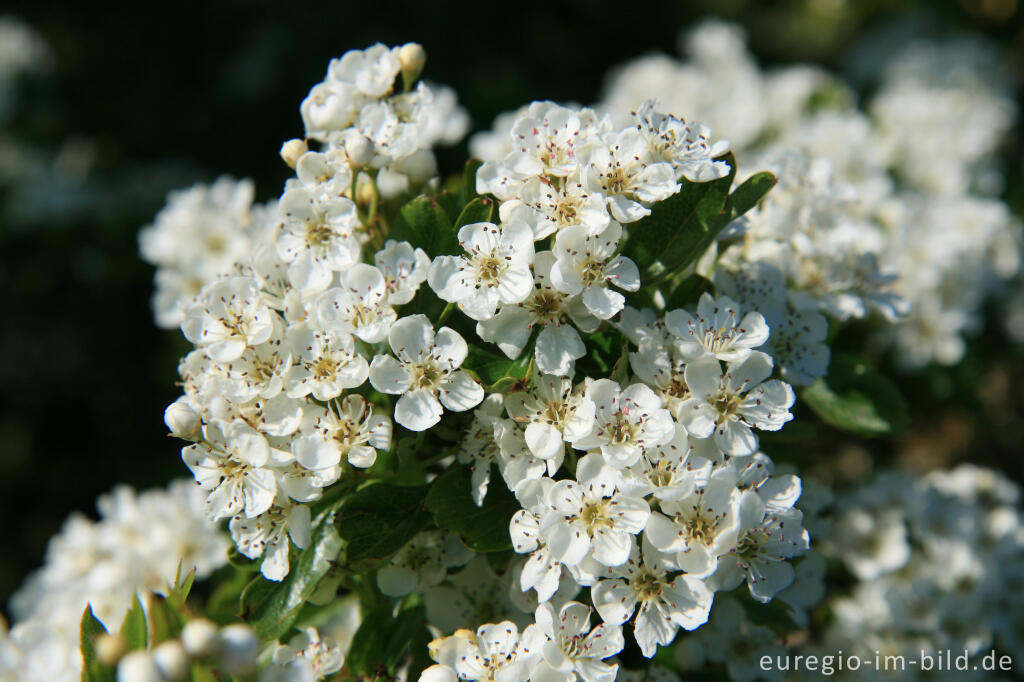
569,647
730,404
359,306
496,269
629,175
669,471
556,205
798,343
316,237
554,414
404,269
494,652
771,531
267,535
542,571
480,446
326,175
627,422
229,464
308,656
227,316
586,263
700,527
559,344
591,516
423,562
427,366
326,363
665,604
353,431
685,145
716,329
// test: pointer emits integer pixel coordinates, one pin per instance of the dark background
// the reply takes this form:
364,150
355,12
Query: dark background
166,96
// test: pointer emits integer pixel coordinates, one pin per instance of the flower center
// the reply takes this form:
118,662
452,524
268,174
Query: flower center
596,515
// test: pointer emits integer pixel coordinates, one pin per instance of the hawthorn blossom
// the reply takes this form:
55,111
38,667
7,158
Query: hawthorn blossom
716,329
358,306
554,205
586,264
626,423
570,647
404,269
425,368
496,269
630,175
316,237
665,604
493,652
352,430
554,414
227,316
267,536
591,516
732,403
326,363
685,145
229,464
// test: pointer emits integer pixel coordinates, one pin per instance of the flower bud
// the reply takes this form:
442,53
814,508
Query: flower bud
138,666
182,421
292,150
359,150
171,660
239,649
200,638
110,649
411,57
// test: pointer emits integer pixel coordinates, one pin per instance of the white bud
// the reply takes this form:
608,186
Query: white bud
172,660
292,150
239,649
110,649
359,150
182,421
412,58
138,666
420,166
200,638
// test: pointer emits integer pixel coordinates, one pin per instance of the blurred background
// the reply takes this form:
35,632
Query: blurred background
120,103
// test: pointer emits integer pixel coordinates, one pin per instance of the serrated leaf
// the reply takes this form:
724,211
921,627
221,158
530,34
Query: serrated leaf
424,223
133,629
750,192
376,521
482,529
479,210
679,228
178,591
89,629
276,614
857,399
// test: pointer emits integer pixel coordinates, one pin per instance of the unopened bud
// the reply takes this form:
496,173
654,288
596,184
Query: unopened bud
359,150
138,666
292,150
364,194
239,649
182,421
110,649
412,58
200,638
172,660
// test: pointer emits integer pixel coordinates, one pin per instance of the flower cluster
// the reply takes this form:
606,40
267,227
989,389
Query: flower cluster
139,545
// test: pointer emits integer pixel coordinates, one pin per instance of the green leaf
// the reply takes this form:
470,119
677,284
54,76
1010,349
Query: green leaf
482,529
164,621
479,210
382,640
750,192
181,587
89,630
133,629
857,399
469,180
493,366
423,223
680,228
376,521
276,614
